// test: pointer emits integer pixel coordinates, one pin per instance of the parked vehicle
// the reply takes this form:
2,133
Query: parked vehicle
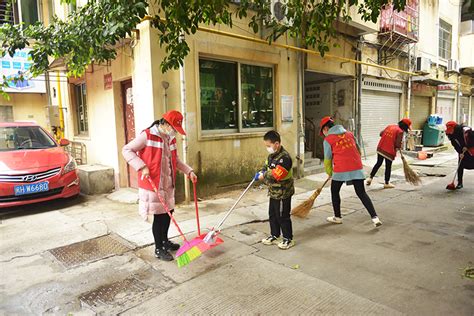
33,166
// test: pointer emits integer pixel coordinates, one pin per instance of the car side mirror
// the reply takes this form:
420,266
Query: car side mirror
64,142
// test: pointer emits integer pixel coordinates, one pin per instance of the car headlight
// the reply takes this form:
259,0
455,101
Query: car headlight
70,166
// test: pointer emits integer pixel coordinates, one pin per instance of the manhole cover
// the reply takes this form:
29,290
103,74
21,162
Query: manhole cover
111,299
89,250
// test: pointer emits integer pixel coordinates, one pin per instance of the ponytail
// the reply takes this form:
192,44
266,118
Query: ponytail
160,121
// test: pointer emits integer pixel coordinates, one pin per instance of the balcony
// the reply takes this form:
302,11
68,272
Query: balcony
400,27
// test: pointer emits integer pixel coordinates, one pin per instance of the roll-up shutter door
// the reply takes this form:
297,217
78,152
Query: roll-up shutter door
378,109
444,107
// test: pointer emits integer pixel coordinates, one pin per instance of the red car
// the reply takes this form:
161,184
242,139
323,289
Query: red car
33,166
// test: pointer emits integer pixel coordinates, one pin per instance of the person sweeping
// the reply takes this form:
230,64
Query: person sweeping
277,174
390,142
343,162
462,139
154,155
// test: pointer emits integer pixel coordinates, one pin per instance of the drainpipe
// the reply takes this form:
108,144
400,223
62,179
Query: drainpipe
60,107
407,112
299,114
182,78
359,93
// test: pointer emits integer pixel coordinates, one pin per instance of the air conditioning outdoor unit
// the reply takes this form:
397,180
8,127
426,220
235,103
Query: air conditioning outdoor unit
278,8
423,65
453,65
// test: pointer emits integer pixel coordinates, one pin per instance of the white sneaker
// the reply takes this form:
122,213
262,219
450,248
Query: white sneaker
369,181
286,244
334,219
388,186
270,240
376,221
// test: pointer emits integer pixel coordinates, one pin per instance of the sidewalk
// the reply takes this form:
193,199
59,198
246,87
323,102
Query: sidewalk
95,256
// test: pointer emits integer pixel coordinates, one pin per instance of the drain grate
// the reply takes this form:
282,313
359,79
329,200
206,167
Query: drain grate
117,297
88,251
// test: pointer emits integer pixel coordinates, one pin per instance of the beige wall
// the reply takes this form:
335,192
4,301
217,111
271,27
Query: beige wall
28,107
106,128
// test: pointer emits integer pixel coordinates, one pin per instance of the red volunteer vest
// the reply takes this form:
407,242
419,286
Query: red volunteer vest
152,155
345,156
466,133
388,139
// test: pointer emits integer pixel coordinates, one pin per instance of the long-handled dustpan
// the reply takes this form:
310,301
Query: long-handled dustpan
188,251
198,241
211,237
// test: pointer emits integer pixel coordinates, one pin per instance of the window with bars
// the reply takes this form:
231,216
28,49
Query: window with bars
19,11
445,39
235,97
82,122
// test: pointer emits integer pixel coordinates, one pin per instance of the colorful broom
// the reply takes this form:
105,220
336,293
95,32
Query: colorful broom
188,251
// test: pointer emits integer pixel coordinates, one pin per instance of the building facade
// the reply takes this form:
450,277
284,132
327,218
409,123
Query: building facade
234,90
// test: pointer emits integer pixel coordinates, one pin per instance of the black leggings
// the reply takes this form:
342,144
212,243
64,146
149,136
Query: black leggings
360,191
388,167
161,224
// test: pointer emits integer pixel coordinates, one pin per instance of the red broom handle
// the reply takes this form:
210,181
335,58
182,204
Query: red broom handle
197,208
166,209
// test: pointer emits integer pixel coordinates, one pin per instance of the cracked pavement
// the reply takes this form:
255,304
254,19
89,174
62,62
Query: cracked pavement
412,265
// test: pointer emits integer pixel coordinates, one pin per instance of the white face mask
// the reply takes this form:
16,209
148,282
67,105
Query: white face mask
270,150
169,132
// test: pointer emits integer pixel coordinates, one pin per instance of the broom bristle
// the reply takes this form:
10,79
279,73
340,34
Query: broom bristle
410,175
303,209
188,256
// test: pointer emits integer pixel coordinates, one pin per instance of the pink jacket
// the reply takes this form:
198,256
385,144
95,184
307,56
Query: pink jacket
149,202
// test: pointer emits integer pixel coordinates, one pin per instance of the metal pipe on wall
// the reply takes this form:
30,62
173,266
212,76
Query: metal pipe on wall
182,79
359,93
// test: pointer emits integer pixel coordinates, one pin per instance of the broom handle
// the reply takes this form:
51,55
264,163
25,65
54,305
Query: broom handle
197,208
167,209
233,206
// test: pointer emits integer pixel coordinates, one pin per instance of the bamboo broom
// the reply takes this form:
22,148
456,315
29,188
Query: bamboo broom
303,209
411,176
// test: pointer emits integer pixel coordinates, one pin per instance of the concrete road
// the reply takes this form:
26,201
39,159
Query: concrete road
95,256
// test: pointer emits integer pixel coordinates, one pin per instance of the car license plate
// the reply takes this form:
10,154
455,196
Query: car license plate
31,188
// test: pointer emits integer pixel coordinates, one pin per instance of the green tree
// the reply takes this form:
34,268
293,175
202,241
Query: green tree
90,33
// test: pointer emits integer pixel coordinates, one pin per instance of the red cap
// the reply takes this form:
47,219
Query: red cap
175,119
450,127
407,121
323,123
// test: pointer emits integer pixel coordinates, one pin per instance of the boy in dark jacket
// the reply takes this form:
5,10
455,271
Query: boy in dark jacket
277,174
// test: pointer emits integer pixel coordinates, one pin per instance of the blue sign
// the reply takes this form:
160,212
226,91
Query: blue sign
6,64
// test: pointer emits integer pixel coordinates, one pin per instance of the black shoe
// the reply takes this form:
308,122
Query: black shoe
163,254
459,186
169,245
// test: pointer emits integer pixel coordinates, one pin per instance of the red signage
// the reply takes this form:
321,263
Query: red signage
108,81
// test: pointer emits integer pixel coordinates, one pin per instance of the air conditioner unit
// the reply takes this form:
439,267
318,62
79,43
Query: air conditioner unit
423,65
278,8
453,65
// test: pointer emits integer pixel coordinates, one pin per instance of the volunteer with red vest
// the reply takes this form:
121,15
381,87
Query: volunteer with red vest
390,142
342,161
154,154
462,139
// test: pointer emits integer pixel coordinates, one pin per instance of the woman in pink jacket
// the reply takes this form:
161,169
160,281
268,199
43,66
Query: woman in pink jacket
154,155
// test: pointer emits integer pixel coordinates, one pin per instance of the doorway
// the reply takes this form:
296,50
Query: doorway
129,124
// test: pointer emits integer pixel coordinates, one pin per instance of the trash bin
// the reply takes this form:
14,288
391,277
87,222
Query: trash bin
433,135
